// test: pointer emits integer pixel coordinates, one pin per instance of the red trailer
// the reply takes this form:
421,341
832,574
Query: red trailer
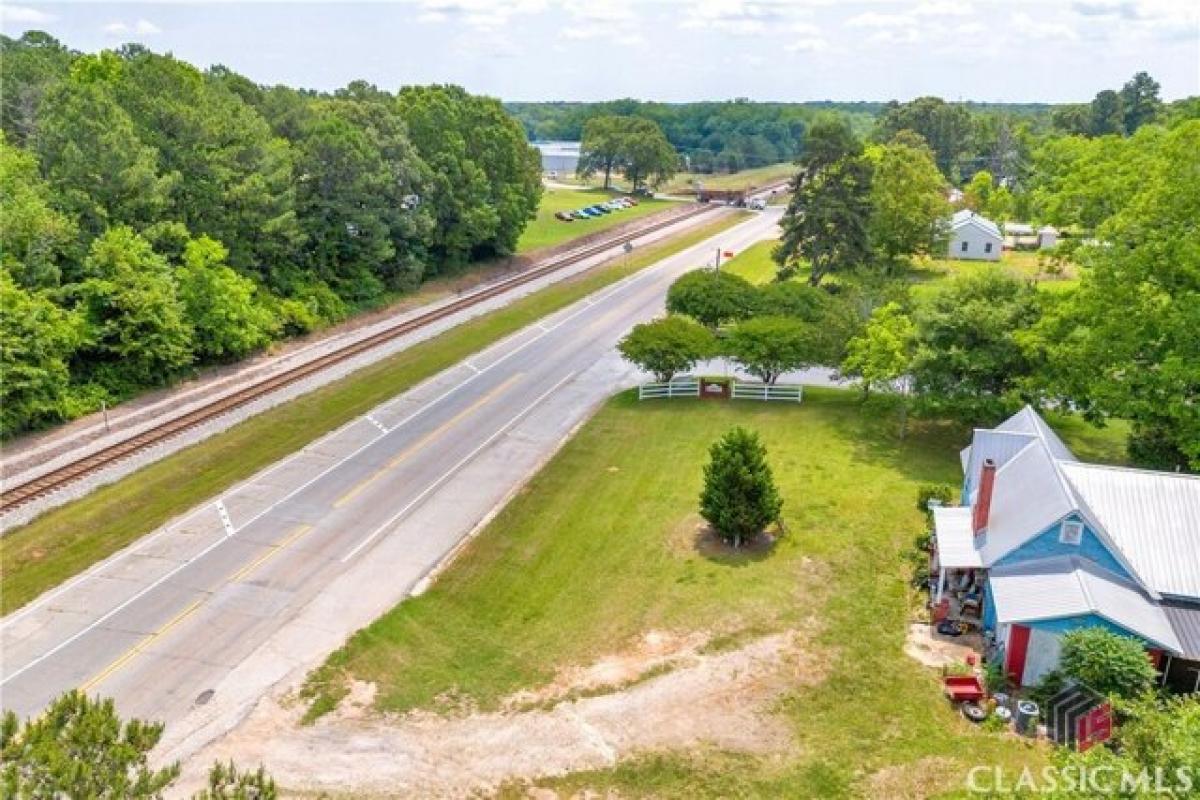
963,688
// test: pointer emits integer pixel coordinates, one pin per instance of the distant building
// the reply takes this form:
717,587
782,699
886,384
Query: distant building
974,237
560,157
1047,237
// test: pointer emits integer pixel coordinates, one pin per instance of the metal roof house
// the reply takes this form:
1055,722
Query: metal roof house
1053,544
974,237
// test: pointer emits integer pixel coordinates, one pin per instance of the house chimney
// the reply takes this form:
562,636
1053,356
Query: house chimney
983,497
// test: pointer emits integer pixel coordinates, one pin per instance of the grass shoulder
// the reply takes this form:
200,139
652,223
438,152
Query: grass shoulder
66,540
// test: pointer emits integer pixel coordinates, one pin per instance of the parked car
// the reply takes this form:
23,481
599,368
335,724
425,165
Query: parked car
599,209
581,214
565,216
632,201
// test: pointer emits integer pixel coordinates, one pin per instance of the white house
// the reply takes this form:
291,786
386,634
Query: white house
1047,237
974,237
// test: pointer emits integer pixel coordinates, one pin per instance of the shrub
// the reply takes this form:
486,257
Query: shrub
1107,662
711,297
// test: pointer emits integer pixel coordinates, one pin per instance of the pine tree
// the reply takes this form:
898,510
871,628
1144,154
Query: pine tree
739,497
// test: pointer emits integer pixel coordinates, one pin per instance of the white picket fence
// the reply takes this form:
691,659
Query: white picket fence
683,387
790,392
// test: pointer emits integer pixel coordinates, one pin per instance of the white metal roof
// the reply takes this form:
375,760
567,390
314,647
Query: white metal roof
968,217
1000,446
1029,421
1153,517
1069,587
1028,497
955,537
1018,228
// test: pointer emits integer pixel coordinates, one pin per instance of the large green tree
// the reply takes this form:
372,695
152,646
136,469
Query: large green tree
648,157
946,127
1125,344
137,332
34,236
767,347
668,346
90,152
969,357
908,199
827,222
882,354
37,340
602,147
222,306
486,187
233,178
711,297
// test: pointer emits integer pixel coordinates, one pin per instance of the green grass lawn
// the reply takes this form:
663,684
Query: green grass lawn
759,176
68,539
546,231
1024,263
754,263
600,548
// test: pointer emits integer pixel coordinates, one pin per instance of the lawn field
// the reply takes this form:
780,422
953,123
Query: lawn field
68,539
754,263
602,547
546,231
684,182
1024,263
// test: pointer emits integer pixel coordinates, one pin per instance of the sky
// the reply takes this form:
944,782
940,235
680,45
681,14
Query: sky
670,50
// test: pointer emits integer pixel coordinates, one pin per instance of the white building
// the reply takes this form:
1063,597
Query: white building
560,157
974,237
1047,237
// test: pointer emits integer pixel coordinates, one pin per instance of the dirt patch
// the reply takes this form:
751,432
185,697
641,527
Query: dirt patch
917,780
694,535
932,649
722,700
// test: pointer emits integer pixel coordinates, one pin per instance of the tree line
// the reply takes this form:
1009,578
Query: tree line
159,217
709,137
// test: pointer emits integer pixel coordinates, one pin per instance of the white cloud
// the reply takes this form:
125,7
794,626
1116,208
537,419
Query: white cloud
143,27
739,17
873,19
1044,29
477,14
24,14
943,8
614,22
807,44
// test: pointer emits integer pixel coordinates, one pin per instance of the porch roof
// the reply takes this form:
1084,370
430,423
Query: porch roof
1062,587
955,538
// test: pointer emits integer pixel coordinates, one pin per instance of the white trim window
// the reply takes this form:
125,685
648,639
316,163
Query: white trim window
1071,532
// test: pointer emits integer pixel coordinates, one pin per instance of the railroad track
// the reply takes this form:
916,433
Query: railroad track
45,484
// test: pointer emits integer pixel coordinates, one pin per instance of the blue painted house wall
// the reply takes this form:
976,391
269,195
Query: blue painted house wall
1047,545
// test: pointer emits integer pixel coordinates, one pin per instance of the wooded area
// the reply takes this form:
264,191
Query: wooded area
158,217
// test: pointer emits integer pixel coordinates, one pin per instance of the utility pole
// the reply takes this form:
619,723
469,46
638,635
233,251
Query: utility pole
717,263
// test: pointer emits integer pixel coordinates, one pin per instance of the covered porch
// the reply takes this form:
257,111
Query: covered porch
957,577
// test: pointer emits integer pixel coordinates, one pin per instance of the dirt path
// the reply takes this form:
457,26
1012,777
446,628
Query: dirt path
721,699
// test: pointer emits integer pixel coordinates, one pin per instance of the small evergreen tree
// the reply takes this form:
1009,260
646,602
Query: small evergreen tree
739,497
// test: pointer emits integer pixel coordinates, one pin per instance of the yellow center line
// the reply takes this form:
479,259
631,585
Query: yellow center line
424,441
275,548
141,646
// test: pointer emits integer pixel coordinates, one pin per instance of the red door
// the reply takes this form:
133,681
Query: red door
1018,644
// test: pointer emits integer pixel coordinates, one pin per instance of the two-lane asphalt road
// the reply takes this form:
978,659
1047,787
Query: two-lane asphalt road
210,611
